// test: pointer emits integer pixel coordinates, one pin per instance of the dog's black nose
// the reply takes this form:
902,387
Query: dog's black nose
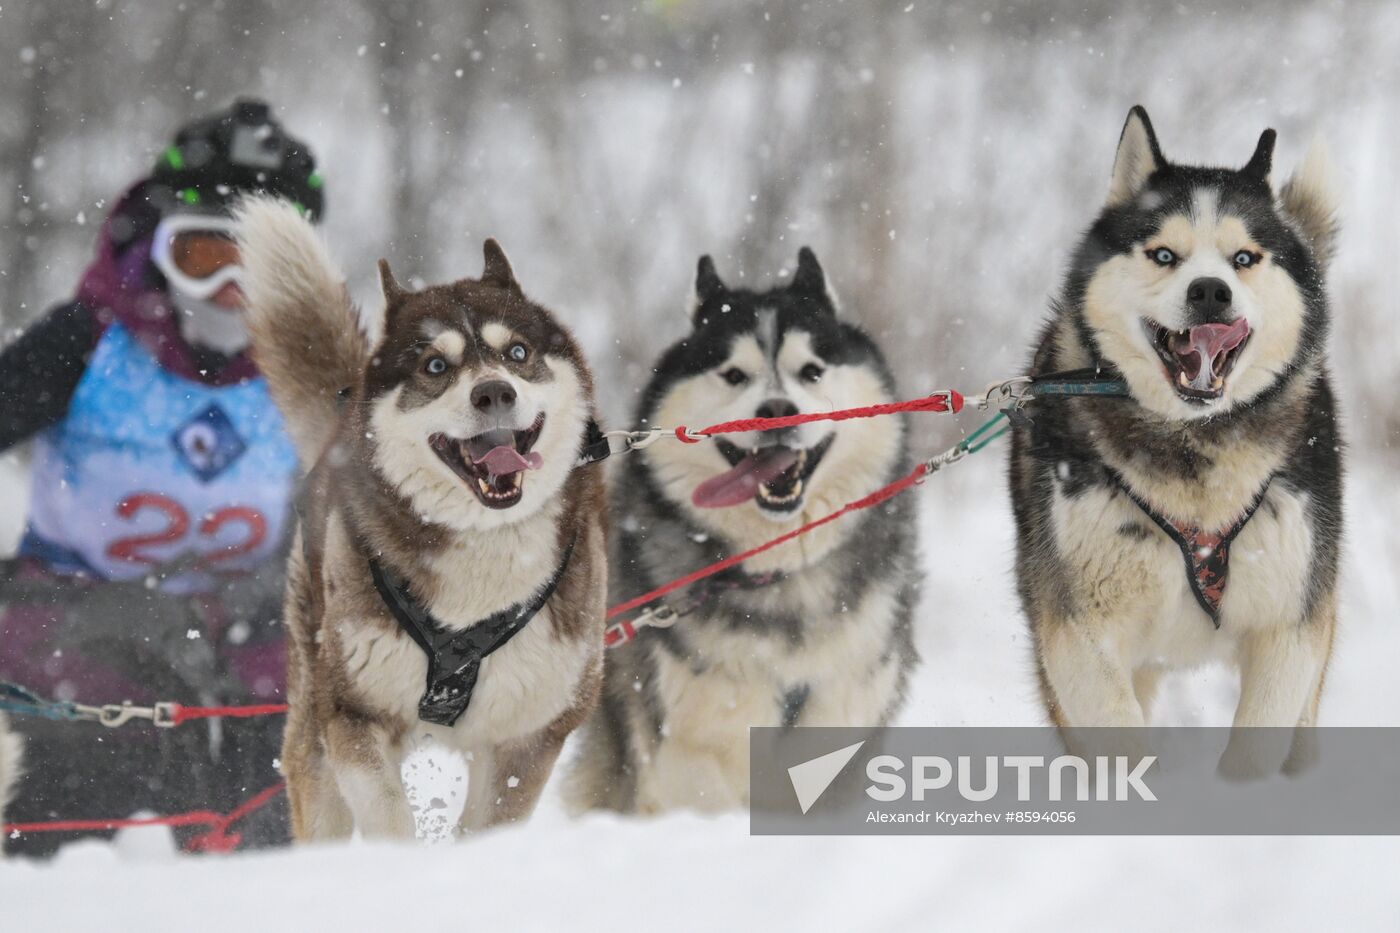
776,408
1208,300
493,395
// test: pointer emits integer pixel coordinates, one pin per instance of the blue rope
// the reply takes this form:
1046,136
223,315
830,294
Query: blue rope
23,702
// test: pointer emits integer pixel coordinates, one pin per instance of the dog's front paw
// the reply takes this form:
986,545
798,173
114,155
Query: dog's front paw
1254,754
1304,753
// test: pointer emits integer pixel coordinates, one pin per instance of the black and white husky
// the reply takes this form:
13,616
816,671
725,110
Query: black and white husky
816,632
1201,518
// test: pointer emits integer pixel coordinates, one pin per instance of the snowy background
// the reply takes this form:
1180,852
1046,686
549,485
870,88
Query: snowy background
941,159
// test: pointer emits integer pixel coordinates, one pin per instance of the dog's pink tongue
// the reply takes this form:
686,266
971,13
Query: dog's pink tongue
1202,350
503,460
740,483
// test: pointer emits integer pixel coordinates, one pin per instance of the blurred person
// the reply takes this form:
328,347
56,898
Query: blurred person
151,563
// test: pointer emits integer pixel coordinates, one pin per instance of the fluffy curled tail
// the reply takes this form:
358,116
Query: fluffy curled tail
306,331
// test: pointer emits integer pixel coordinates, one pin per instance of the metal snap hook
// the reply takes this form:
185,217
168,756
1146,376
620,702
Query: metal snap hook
661,616
113,714
641,440
631,440
1012,391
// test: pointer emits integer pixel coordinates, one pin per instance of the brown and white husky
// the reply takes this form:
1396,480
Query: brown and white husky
450,570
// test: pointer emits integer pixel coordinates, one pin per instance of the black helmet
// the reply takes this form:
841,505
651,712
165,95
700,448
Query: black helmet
243,149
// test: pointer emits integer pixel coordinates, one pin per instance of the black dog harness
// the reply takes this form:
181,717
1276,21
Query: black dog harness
1207,554
455,655
596,447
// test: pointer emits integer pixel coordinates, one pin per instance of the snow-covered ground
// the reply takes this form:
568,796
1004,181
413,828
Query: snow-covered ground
688,872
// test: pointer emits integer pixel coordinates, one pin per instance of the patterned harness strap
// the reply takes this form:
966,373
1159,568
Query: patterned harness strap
1206,553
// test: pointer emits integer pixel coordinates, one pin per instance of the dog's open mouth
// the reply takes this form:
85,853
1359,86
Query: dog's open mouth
774,476
493,463
1199,360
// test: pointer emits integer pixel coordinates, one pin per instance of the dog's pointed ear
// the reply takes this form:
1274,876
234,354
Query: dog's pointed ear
1262,162
1309,199
497,270
392,289
1138,158
707,285
810,280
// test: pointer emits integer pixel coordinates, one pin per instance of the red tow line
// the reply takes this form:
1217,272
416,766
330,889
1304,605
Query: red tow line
946,400
874,499
182,714
620,633
218,838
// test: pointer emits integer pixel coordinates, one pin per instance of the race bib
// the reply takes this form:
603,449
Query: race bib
153,475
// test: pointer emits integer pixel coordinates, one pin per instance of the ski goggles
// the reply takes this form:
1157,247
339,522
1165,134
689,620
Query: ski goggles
196,253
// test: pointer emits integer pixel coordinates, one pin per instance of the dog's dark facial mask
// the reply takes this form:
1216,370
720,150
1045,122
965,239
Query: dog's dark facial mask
1199,284
475,388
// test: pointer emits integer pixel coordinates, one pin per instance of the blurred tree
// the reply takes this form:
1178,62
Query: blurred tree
940,158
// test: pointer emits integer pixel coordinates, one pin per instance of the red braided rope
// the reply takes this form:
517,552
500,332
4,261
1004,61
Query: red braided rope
216,839
184,714
948,401
875,498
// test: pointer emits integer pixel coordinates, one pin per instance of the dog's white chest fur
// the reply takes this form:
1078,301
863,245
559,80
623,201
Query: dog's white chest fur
1137,586
843,673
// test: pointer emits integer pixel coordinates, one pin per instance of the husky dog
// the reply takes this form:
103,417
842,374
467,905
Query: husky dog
816,632
10,760
1203,288
443,521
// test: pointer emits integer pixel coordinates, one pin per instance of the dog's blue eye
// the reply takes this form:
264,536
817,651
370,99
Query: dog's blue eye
811,373
1244,259
1162,256
518,352
734,376
435,366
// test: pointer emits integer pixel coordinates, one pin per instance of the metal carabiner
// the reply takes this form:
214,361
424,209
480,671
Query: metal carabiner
633,440
641,440
119,714
938,462
1011,392
661,616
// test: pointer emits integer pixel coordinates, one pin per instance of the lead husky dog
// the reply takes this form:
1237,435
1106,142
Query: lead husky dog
443,509
1204,289
816,632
